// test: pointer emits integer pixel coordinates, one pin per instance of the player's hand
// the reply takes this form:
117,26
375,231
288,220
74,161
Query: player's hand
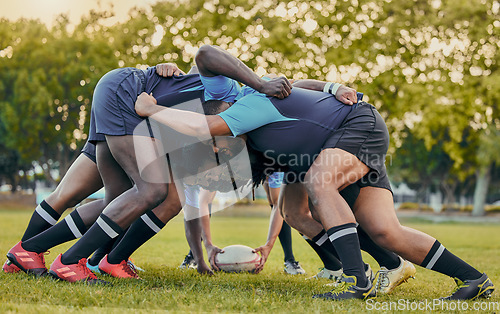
346,95
213,250
203,268
145,105
264,251
168,69
278,87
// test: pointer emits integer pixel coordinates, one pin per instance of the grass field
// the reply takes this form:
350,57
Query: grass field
166,288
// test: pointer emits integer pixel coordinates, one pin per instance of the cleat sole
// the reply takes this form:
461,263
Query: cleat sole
92,282
36,271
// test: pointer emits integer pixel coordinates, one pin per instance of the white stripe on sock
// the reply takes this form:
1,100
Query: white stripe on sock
72,226
342,233
322,240
436,256
150,223
106,228
48,218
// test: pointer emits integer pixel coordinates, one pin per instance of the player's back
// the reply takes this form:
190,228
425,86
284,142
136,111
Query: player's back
170,91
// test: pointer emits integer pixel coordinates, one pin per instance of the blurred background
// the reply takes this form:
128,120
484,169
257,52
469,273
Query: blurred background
429,66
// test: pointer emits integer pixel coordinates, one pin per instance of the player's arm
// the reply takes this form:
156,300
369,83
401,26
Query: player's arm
206,198
247,114
275,224
186,122
343,93
193,231
213,61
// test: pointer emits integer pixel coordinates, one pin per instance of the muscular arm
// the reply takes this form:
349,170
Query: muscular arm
310,84
275,224
206,198
345,94
186,122
213,61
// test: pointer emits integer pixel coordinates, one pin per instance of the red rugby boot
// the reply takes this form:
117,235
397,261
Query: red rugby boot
122,270
29,262
10,268
78,272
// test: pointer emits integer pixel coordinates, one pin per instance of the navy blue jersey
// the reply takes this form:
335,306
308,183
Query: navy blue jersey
170,91
113,104
290,132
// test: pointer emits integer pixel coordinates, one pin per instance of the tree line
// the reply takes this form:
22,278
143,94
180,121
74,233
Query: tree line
429,66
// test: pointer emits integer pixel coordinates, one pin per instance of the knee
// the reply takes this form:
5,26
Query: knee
174,207
289,220
202,56
386,237
314,188
294,218
154,195
168,211
64,198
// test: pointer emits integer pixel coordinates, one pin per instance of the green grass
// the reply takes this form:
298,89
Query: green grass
166,288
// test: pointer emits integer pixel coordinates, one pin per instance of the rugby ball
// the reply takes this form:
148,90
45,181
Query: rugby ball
237,258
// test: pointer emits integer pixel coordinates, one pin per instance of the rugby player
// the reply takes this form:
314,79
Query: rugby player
113,121
83,179
345,144
272,187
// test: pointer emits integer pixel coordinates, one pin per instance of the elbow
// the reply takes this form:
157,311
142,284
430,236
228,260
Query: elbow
203,57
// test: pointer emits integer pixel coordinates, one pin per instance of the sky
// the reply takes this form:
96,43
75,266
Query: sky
47,10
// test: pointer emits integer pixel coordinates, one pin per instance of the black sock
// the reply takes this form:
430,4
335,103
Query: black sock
139,232
285,237
42,219
101,232
72,227
443,261
325,250
385,258
103,250
345,240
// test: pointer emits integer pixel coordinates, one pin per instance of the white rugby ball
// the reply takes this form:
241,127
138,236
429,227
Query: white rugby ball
237,258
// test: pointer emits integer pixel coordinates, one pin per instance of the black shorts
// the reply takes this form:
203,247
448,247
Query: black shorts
113,104
364,134
376,180
89,151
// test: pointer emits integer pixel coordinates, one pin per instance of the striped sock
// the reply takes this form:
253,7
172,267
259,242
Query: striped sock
325,250
443,261
42,219
345,240
101,232
72,227
143,229
103,250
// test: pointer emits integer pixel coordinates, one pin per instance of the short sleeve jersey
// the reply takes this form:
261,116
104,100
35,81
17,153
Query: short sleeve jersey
290,131
170,91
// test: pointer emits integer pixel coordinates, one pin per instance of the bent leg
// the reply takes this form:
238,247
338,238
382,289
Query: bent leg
331,171
374,211
294,208
147,226
124,206
145,194
81,180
